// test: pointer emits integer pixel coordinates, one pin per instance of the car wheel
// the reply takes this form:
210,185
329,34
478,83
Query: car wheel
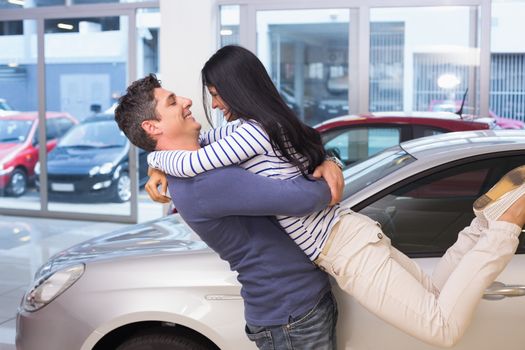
159,340
17,185
123,188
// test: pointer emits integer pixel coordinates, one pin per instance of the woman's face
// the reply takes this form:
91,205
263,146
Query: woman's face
218,102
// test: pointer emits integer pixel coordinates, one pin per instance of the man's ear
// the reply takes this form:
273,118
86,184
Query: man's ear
150,127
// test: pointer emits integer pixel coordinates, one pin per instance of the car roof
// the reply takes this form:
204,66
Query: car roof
432,118
437,150
465,143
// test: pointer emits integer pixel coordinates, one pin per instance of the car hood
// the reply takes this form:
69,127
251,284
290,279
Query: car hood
169,235
72,160
8,148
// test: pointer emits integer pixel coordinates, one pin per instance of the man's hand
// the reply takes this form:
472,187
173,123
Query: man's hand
156,178
333,175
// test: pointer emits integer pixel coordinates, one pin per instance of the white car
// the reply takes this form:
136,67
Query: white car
156,283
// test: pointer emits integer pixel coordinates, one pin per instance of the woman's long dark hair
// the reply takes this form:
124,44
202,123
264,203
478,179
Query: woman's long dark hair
243,83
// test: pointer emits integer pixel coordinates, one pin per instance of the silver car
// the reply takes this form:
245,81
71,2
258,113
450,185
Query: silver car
157,284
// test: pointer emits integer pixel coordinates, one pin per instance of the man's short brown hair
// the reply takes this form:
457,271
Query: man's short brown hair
136,106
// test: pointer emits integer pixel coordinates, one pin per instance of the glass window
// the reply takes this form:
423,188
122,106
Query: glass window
90,164
424,217
370,170
63,125
17,4
18,92
419,64
423,131
507,80
82,25
14,131
358,143
148,28
306,54
230,18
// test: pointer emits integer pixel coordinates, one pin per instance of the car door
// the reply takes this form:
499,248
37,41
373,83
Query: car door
423,215
355,143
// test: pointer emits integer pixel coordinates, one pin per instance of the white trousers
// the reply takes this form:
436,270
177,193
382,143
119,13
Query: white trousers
435,309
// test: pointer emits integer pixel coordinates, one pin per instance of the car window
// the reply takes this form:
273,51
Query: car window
52,130
355,144
95,134
467,183
14,131
63,125
423,131
371,170
424,217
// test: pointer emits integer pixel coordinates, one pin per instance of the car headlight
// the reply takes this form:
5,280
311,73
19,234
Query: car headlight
94,171
106,168
47,288
102,169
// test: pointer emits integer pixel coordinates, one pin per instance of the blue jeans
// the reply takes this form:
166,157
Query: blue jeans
314,330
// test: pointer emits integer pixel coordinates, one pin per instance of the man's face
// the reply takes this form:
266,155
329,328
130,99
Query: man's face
175,117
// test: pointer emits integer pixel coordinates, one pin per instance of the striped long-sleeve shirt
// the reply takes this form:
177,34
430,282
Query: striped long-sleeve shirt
246,144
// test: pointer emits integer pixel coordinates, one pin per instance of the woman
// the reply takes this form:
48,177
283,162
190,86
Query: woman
267,138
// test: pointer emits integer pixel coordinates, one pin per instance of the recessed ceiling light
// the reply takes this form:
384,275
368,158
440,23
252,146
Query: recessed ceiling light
65,26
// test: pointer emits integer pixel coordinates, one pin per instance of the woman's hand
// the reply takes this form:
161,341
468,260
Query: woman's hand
156,178
333,176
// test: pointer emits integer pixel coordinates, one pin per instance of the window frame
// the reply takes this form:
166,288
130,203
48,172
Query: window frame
39,15
430,171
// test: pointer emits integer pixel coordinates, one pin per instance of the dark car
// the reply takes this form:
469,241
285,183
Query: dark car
356,137
91,162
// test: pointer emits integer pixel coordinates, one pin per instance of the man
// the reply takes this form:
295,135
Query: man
288,303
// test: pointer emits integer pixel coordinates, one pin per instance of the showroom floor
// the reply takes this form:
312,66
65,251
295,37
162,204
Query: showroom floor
26,243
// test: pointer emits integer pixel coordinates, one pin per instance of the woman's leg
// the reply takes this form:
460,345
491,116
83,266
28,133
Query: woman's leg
364,265
467,239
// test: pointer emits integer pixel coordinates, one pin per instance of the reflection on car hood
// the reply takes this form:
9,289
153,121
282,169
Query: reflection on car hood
8,148
169,235
66,160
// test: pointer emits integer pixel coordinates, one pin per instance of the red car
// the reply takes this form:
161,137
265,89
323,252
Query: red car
452,106
354,138
19,147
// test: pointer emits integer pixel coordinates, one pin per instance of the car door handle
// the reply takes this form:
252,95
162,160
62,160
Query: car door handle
498,291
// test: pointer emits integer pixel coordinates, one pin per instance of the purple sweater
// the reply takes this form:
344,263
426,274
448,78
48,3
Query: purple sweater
233,210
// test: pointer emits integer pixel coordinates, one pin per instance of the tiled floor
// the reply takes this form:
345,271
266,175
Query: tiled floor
26,243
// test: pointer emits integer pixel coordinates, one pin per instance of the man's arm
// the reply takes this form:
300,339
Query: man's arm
235,191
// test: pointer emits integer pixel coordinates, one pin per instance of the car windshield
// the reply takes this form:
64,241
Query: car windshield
14,131
370,170
99,134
